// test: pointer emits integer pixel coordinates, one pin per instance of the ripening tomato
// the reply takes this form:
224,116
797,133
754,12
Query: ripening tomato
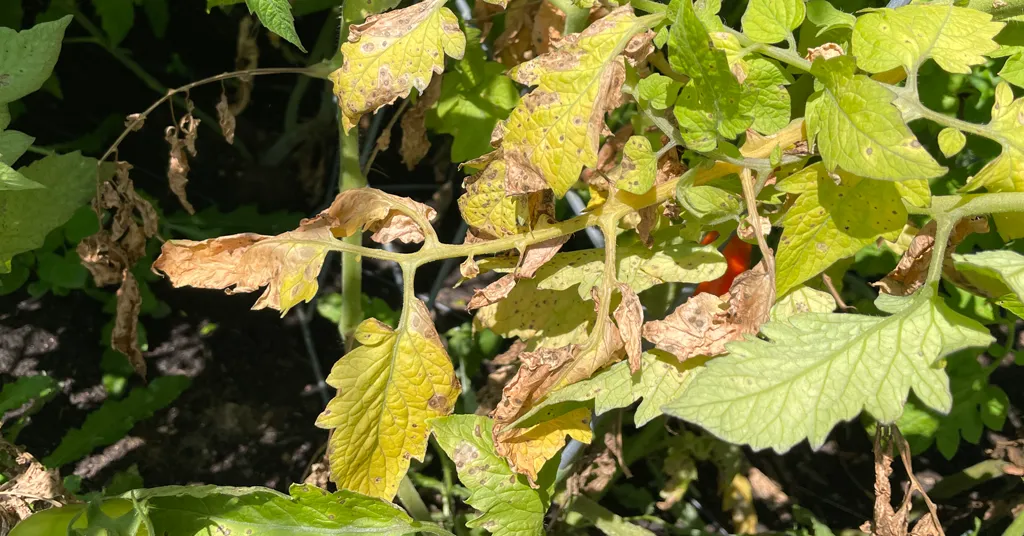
737,258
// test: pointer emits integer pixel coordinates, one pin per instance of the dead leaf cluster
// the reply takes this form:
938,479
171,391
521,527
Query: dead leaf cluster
29,485
912,270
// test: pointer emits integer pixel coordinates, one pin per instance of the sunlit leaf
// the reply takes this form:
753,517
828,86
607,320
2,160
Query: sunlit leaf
387,389
554,130
487,209
824,15
771,21
638,167
858,128
955,37
528,449
815,370
389,54
508,506
951,141
803,299
1000,274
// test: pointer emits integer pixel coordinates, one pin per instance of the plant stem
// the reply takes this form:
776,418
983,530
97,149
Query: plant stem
411,500
575,17
649,6
351,264
787,56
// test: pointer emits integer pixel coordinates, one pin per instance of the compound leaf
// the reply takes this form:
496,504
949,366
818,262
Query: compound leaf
554,130
27,58
827,222
771,21
955,37
508,506
818,369
712,101
388,55
387,389
276,15
26,216
859,129
1006,172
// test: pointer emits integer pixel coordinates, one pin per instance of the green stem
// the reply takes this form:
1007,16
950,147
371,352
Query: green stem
411,500
351,264
914,109
649,6
1000,10
575,17
583,511
789,57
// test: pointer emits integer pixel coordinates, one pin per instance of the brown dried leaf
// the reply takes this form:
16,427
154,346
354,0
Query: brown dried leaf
705,323
469,268
607,157
124,338
29,483
492,293
535,376
386,215
226,118
287,264
414,128
912,270
177,168
103,257
826,51
535,256
135,122
629,316
489,395
547,27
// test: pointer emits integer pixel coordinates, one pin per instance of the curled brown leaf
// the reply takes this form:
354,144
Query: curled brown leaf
386,215
177,167
414,128
629,315
912,270
124,338
226,118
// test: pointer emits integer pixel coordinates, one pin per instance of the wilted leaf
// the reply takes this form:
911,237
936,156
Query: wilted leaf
576,84
181,138
528,449
226,118
629,316
387,389
910,273
124,338
778,392
858,128
389,54
388,216
414,128
535,256
508,506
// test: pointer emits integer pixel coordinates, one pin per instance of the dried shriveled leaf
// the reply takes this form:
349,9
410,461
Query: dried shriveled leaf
528,449
705,323
554,130
530,30
387,389
386,215
629,316
535,256
226,118
912,270
389,54
177,167
414,129
287,264
28,482
492,293
124,338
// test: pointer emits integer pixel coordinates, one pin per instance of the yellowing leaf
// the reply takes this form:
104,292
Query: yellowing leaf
951,141
287,264
555,318
389,54
1006,172
771,21
554,130
803,299
487,209
387,389
508,506
528,449
388,216
955,37
858,128
833,221
816,370
639,167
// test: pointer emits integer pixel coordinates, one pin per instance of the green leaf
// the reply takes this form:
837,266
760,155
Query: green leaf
710,204
803,299
1005,173
5,116
976,405
711,102
827,222
159,16
658,91
27,58
766,97
1013,69
62,271
955,37
26,216
639,166
11,180
661,379
509,506
827,17
24,390
117,18
210,4
771,21
816,370
998,273
475,96
13,144
276,15
858,129
115,418
951,141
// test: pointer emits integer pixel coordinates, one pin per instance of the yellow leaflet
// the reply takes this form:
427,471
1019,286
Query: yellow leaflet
554,130
1006,172
389,54
487,209
387,388
527,449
